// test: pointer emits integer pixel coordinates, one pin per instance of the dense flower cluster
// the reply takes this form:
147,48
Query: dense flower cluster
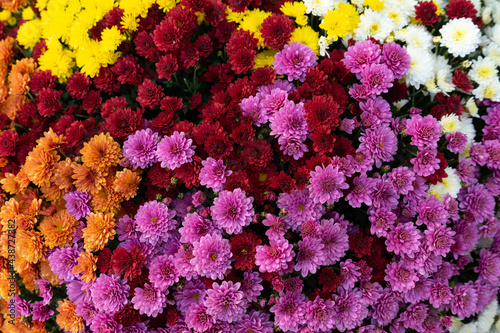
249,166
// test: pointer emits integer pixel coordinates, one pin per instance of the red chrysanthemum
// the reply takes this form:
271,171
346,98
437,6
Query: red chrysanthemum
143,43
188,173
171,104
343,147
329,279
124,122
194,101
114,17
224,31
204,46
213,111
127,70
127,316
461,80
397,92
440,173
78,85
239,5
238,179
203,131
277,30
167,36
361,244
242,60
159,176
39,49
241,39
107,81
184,18
112,105
138,281
322,111
283,182
323,140
74,134
243,132
218,146
127,263
263,76
461,8
316,80
215,11
164,121
426,13
189,56
42,79
61,125
149,94
8,143
243,248
104,260
48,102
257,154
446,105
92,101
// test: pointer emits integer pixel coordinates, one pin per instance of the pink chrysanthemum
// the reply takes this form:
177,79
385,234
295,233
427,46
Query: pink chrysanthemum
226,302
294,61
379,143
404,238
212,256
232,211
326,184
310,256
400,277
424,131
175,150
274,257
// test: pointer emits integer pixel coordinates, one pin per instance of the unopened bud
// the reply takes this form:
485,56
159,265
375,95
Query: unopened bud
466,63
389,39
436,40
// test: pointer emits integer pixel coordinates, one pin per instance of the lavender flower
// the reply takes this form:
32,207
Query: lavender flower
477,201
381,220
326,184
273,101
456,142
396,59
379,143
155,222
41,312
402,179
289,121
310,256
489,267
212,256
162,272
414,316
350,274
226,302
62,261
424,131
439,239
193,293
232,211
140,148
213,174
299,208
319,315
109,293
175,150
255,321
431,212
385,309
274,257
440,294
105,323
378,110
44,290
377,78
289,311
78,204
463,303
360,55
361,192
294,60
250,285
87,311
404,239
292,146
149,300
126,228
194,227
334,238
401,278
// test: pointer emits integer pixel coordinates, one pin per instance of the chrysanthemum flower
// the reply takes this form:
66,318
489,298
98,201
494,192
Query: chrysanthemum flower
126,183
57,230
225,301
400,277
149,300
326,184
289,311
104,322
175,150
87,179
155,221
212,256
86,267
63,172
198,319
67,319
464,301
163,272
294,60
29,245
213,174
99,230
243,247
78,204
310,256
140,148
109,293
274,257
101,152
232,210
39,166
461,36
255,321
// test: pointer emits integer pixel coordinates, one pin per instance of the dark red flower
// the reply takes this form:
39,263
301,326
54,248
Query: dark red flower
112,105
263,76
107,81
243,132
127,316
128,70
159,176
124,122
283,182
104,260
461,8
194,101
243,248
168,36
206,129
277,30
138,281
114,18
92,101
343,147
39,49
26,143
446,105
183,126
171,104
127,263
361,244
397,92
149,94
426,13
167,66
8,143
461,80
48,102
322,111
42,79
74,134
242,60
294,284
184,18
164,121
239,5
215,11
257,154
143,43
323,140
329,279
440,173
189,56
61,125
218,146
204,46
78,85
241,39
237,179
188,172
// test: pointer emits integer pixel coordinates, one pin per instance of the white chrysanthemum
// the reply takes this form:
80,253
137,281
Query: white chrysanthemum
318,7
416,37
405,6
461,36
486,318
324,43
421,68
457,325
496,12
467,127
451,123
472,108
492,51
437,190
442,80
490,90
483,70
469,328
375,24
493,33
399,16
451,183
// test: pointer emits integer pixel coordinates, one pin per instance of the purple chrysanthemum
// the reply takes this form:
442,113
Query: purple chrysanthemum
380,143
155,222
232,211
396,58
109,293
376,112
198,319
140,148
194,227
252,109
349,309
360,92
87,311
310,256
385,309
489,267
149,300
298,208
250,285
126,228
41,312
326,184
420,293
402,179
431,212
477,201
78,204
255,321
44,290
426,163
440,294
292,146
424,131
478,153
213,174
319,315
105,323
400,277
404,238
294,61
175,150
289,311
212,256
22,306
381,220
456,142
193,292
361,191
463,303
162,272
360,55
349,272
414,316
289,121
334,238
78,291
62,261
274,257
377,78
439,239
226,302
273,101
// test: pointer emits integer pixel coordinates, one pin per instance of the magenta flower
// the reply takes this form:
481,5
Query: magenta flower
456,142
232,211
396,59
289,121
255,321
289,311
299,208
380,143
440,294
41,312
252,109
226,302
213,174
402,179
250,285
477,201
273,101
463,303
155,222
275,256
104,323
350,274
175,150
361,192
385,309
149,300
198,319
109,293
431,212
194,292
78,204
404,238
439,239
414,316
349,309
381,220
400,277
489,267
194,227
319,315
326,184
292,146
334,238
424,131
140,148
212,256
162,272
377,78
426,163
310,256
360,55
294,61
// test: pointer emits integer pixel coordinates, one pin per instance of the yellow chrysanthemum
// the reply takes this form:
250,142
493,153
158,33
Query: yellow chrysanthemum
29,245
264,58
87,179
376,5
30,33
58,60
90,58
5,15
28,14
166,5
129,22
101,152
253,22
341,21
67,319
58,230
39,166
307,36
296,9
111,38
86,265
126,183
236,17
99,231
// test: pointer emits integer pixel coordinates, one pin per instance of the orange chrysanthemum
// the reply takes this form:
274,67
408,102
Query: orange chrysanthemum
6,46
86,265
29,275
8,213
34,207
52,192
25,222
9,183
62,176
50,141
29,245
39,166
5,284
87,179
12,105
20,75
100,229
13,5
58,229
126,183
67,319
46,272
101,152
106,199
